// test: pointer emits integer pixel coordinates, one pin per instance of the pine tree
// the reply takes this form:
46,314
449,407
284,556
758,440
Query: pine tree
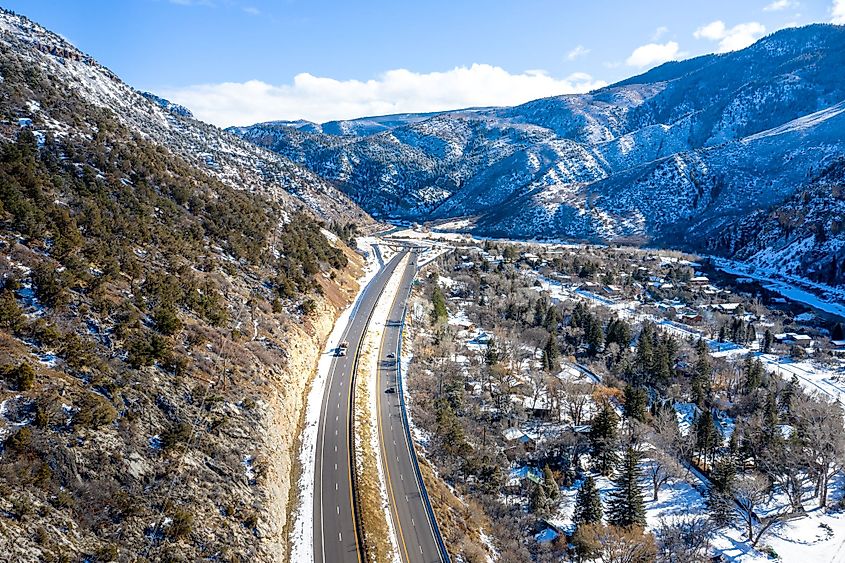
595,336
706,435
838,332
626,506
636,403
753,373
587,504
603,439
768,340
439,312
550,485
539,502
720,494
550,354
701,386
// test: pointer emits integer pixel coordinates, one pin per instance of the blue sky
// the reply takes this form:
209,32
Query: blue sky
241,61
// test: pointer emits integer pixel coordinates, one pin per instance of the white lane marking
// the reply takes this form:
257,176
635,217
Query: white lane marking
335,468
339,536
335,486
401,477
414,524
338,509
335,448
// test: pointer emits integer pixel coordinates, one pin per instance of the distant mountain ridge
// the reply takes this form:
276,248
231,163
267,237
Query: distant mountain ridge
679,153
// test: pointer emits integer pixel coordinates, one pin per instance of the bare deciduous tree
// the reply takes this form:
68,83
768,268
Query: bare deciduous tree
819,426
684,539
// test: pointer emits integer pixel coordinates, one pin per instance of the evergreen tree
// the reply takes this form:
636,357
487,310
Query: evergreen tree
603,433
550,354
491,356
551,321
550,485
595,336
720,495
702,371
439,312
768,340
750,334
587,504
619,331
636,403
753,373
706,435
539,502
838,332
626,506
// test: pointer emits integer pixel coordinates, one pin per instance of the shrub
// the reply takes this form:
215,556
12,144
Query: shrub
166,321
181,525
94,412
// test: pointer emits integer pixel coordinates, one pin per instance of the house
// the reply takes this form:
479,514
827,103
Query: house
520,478
791,338
517,442
692,318
837,347
728,308
699,281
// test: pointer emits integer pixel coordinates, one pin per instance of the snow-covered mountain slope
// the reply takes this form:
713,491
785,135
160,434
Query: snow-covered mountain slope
671,155
238,163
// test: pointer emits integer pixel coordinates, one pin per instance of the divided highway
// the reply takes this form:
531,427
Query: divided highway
335,532
415,532
335,537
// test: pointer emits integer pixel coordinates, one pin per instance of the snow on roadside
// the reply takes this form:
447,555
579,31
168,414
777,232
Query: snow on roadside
302,534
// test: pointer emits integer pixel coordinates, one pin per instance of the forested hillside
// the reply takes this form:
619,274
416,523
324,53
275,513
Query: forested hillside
157,332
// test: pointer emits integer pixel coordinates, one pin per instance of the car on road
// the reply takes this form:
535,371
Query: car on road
390,390
391,356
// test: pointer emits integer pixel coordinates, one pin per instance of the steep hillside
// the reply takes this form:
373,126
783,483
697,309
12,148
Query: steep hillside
802,236
670,155
158,324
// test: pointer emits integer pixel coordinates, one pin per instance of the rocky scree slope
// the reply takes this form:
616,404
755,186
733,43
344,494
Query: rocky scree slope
672,155
158,325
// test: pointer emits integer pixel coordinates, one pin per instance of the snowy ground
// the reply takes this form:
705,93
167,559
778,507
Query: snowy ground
822,379
816,537
302,535
820,296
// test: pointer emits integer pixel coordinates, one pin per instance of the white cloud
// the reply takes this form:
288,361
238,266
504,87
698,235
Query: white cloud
837,12
577,53
730,39
779,5
654,54
396,91
659,32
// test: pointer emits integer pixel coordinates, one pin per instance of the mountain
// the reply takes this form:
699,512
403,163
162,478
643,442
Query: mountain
165,291
175,109
361,127
674,156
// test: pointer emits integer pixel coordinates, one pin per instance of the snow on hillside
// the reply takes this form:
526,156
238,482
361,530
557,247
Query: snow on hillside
239,164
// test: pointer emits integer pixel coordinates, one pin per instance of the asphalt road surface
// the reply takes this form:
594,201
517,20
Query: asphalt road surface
335,539
417,543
